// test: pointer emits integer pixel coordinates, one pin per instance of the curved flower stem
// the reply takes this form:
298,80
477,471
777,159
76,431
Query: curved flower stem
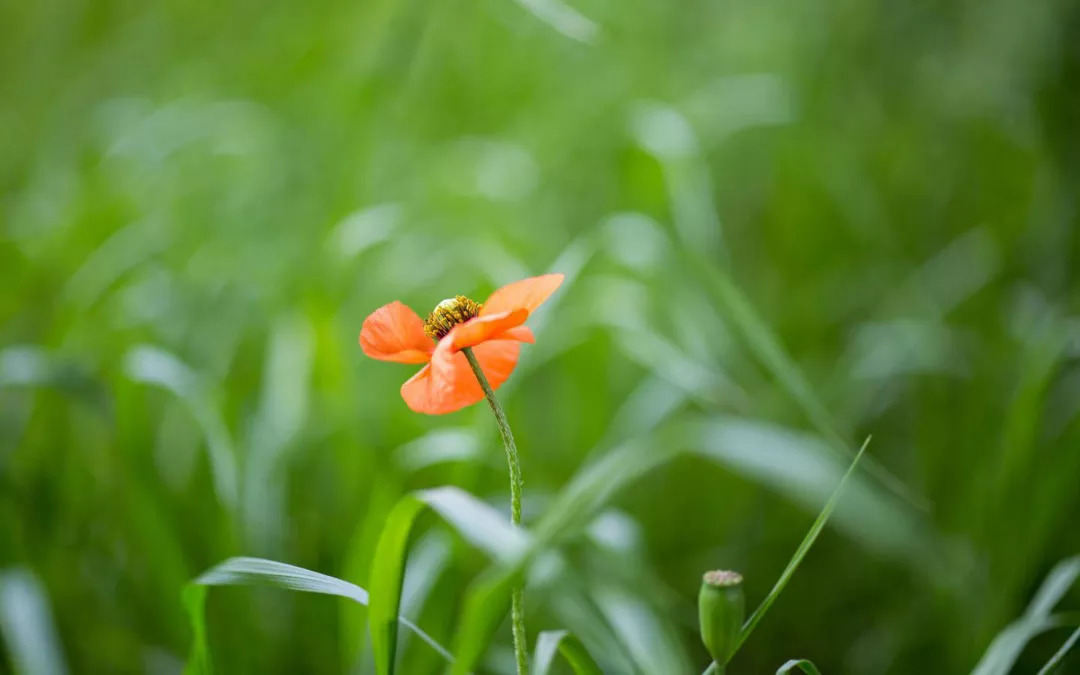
517,611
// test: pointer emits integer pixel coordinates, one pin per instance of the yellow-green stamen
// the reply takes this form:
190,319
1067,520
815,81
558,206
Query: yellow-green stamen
449,313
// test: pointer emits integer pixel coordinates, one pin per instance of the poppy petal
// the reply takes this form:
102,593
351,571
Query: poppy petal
395,333
448,383
482,328
519,333
526,294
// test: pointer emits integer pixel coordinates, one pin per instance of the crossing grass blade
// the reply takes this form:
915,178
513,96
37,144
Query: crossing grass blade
800,553
1056,659
552,643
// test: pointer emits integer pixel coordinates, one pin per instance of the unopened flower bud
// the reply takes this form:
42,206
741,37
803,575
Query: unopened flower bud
721,608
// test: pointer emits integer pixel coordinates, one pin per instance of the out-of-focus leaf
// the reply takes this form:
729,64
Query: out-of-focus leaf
260,572
151,365
550,643
800,467
26,624
485,606
1010,642
766,346
563,18
646,636
280,418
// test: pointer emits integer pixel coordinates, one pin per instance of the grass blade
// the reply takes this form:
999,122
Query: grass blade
387,575
802,664
800,553
1055,660
481,525
260,572
1007,645
194,599
560,642
485,606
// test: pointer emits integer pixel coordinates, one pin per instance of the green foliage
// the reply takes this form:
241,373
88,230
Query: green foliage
1056,660
552,643
802,664
1038,618
784,226
256,571
800,553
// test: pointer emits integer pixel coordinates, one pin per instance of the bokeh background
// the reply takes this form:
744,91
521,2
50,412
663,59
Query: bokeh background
785,226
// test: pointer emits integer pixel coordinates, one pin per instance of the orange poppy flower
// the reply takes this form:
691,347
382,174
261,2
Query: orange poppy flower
494,330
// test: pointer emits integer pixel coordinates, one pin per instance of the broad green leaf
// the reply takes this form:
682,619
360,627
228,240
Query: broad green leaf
260,572
800,553
560,642
1010,642
802,664
481,525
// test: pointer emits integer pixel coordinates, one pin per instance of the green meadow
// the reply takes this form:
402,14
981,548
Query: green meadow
785,228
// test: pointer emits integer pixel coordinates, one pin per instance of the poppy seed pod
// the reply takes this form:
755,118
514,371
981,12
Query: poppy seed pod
721,608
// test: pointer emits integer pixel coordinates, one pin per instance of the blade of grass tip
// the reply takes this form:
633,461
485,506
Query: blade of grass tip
713,669
800,553
560,642
802,664
1055,660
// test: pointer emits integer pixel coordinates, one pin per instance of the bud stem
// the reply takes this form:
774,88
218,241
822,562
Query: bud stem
517,611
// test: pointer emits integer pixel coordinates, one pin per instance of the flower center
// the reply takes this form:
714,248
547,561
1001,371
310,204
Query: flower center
449,313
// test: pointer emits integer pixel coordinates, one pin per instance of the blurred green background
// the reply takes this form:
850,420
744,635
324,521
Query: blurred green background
784,225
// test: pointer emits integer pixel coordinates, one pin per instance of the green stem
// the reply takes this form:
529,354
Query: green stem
517,611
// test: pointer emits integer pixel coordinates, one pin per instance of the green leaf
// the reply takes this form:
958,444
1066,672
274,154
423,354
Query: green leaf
260,572
27,626
800,553
194,599
1010,642
802,664
485,606
560,642
760,339
387,575
154,366
481,525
